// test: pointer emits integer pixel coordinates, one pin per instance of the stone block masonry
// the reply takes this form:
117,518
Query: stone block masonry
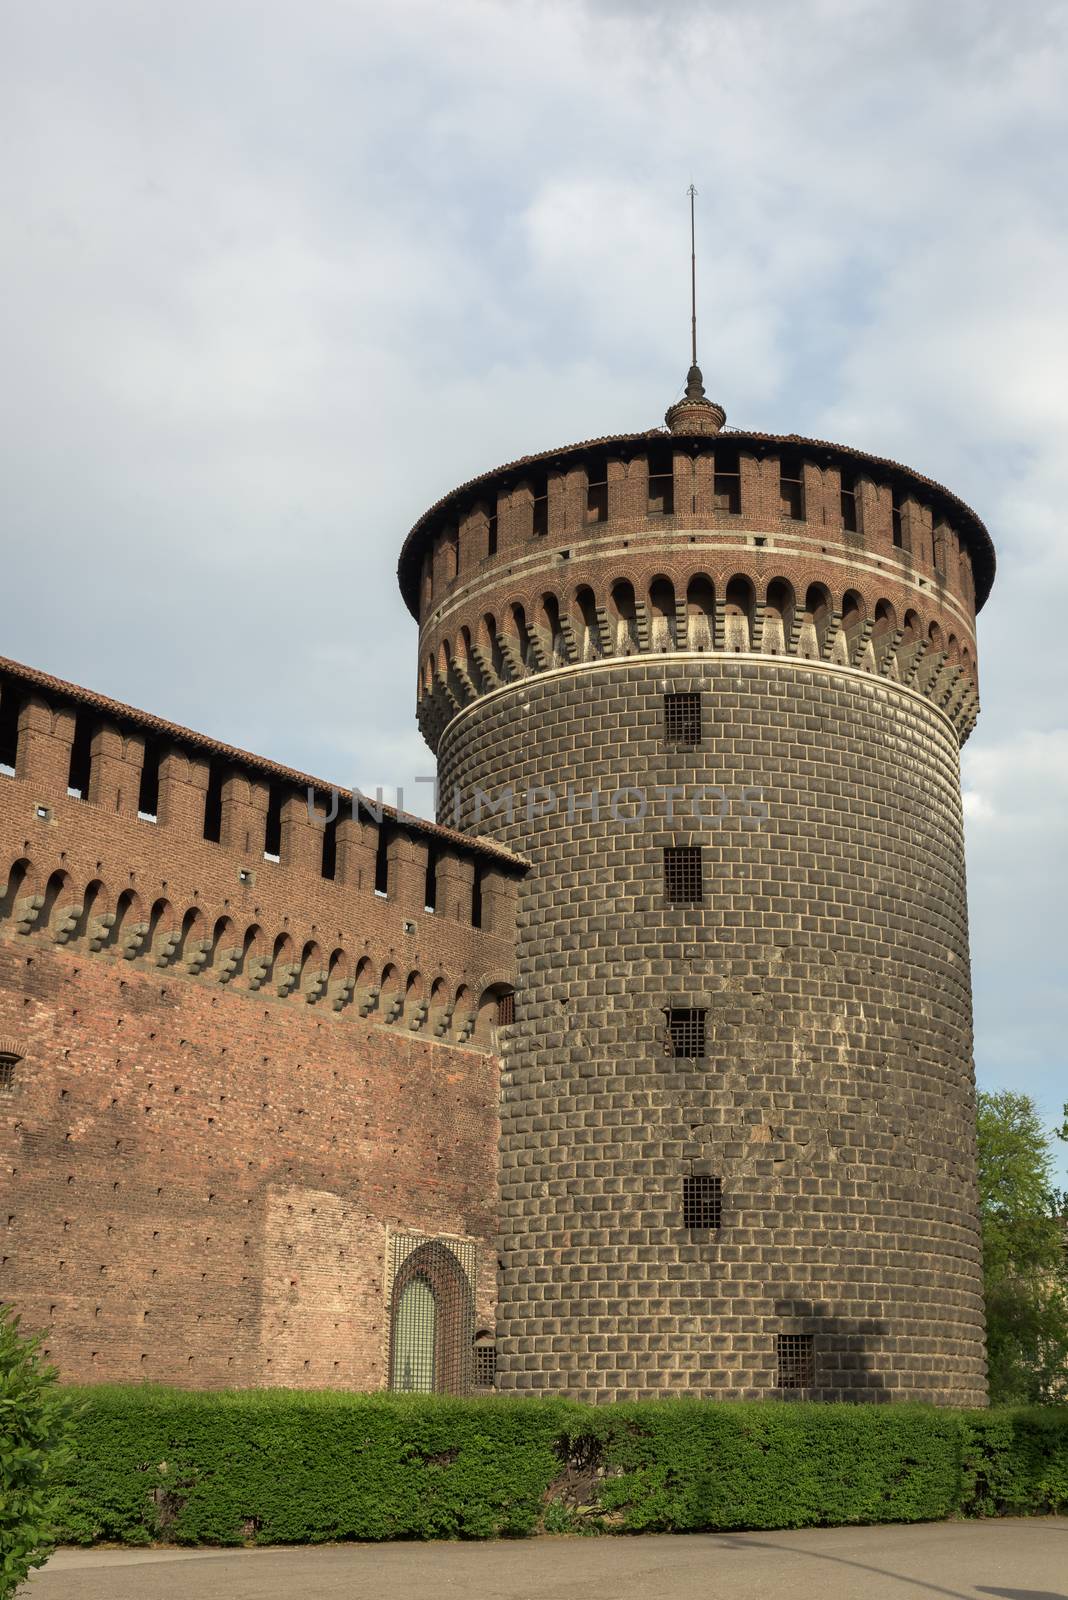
835,1101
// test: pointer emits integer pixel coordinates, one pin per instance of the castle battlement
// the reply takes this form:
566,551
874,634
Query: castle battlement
657,543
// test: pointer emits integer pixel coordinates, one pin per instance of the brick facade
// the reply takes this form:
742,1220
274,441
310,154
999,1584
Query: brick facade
234,1078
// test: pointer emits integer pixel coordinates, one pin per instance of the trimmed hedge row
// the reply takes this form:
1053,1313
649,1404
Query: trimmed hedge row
277,1466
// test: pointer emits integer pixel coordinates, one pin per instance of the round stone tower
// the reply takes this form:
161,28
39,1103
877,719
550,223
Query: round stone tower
713,685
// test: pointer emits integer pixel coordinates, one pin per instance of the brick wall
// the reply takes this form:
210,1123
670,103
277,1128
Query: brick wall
233,1074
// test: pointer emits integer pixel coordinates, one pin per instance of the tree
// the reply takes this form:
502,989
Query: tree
1024,1265
36,1420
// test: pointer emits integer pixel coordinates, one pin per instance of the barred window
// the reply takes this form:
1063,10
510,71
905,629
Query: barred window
683,881
7,1073
702,1202
687,1032
505,1009
485,1366
797,1360
682,719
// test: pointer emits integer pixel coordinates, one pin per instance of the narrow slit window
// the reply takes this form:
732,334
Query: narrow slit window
272,834
702,1202
597,501
895,518
726,481
686,1028
382,866
148,789
791,488
797,1360
213,802
661,483
849,502
328,862
540,489
10,706
491,533
476,899
430,893
682,719
81,757
683,878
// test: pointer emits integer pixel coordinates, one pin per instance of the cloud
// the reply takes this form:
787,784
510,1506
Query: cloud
275,279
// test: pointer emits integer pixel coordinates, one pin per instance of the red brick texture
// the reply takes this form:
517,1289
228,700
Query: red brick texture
225,1095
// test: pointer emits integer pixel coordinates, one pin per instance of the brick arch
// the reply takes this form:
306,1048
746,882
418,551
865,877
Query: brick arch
739,600
780,603
583,610
449,1369
161,941
129,931
58,907
21,884
623,609
662,614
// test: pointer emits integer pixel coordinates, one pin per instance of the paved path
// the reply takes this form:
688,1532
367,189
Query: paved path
1016,1560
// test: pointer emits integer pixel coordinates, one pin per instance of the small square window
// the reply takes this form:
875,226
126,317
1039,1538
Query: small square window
797,1360
683,879
702,1202
682,719
687,1031
485,1366
244,875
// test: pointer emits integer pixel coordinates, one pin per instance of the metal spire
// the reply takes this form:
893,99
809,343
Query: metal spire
695,412
692,192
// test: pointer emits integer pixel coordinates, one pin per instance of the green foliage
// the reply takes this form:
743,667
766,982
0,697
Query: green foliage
275,1466
678,1466
1015,1462
35,1422
1025,1276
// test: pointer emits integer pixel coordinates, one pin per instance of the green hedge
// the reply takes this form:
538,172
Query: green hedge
277,1466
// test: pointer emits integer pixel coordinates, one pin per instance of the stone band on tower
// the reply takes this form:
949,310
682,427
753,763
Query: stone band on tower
737,1118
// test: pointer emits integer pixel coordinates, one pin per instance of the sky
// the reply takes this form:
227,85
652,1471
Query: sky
276,277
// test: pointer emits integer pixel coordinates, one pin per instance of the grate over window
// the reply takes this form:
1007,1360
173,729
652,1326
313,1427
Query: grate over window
505,1009
683,880
687,1031
702,1202
797,1360
682,719
414,1338
429,1295
485,1366
7,1073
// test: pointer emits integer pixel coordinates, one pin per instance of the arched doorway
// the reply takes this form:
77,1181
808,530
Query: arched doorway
431,1323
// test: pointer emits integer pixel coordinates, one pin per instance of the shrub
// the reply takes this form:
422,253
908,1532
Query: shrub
35,1421
277,1466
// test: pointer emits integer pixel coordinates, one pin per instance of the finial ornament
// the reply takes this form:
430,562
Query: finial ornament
694,413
